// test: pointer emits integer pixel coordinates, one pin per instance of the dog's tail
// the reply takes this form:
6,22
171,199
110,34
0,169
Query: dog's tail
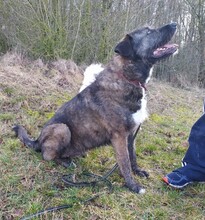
22,134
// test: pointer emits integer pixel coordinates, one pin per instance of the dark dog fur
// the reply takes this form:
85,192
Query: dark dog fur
102,113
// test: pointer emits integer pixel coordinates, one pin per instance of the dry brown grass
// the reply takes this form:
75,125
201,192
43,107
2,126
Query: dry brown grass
17,72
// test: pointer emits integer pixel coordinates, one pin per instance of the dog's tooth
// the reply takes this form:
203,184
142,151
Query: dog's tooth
142,191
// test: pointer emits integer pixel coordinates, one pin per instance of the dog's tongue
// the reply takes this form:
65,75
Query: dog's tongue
166,49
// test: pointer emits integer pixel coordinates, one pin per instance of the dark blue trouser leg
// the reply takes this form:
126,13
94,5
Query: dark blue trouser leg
195,155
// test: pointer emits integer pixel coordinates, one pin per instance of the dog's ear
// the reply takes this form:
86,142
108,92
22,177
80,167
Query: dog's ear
125,48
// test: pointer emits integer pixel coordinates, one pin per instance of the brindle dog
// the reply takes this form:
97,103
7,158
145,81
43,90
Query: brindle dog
111,109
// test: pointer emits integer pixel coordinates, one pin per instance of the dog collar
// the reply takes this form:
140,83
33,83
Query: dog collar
134,82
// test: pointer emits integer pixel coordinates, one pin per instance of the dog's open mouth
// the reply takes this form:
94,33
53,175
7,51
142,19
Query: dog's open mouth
165,50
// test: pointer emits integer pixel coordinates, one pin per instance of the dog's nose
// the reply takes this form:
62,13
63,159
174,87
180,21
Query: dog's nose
173,25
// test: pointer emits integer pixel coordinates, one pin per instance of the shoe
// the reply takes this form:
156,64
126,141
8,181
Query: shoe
176,180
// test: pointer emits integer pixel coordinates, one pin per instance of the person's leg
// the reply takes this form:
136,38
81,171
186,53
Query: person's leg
193,169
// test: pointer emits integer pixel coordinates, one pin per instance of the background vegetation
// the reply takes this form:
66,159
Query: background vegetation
87,30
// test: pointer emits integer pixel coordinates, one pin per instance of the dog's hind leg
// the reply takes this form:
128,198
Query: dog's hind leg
119,142
133,158
55,141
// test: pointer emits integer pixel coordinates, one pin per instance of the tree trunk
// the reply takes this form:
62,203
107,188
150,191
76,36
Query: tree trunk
201,30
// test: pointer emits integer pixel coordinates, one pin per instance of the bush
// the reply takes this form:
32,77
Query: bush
52,29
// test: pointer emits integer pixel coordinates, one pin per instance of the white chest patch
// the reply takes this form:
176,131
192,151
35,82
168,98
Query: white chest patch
141,114
150,74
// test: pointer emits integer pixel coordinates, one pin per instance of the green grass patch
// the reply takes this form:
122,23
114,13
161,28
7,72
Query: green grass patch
28,184
8,90
6,116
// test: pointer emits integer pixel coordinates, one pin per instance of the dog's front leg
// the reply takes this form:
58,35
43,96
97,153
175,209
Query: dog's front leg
133,158
119,143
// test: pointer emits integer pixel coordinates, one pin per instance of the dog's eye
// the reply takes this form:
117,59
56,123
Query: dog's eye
148,32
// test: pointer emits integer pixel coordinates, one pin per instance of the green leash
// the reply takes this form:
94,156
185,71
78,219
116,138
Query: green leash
67,179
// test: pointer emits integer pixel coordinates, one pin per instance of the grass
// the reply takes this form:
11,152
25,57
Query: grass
28,184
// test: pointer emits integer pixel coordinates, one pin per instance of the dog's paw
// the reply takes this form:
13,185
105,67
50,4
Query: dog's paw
142,191
136,188
141,173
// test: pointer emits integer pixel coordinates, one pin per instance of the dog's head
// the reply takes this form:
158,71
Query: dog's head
148,44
